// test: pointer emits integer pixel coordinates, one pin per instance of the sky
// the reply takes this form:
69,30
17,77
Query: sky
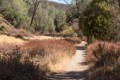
60,1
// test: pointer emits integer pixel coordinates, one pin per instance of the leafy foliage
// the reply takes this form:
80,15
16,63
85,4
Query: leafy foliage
13,17
96,21
69,32
15,12
60,18
76,8
19,13
2,28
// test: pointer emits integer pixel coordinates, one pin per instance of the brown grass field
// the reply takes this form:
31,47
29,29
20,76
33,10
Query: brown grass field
10,39
32,59
51,52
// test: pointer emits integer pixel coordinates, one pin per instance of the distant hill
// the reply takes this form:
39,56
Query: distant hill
59,6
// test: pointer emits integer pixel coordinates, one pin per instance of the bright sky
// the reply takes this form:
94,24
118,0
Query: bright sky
61,1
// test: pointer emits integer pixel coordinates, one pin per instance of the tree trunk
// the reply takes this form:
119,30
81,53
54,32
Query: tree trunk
36,4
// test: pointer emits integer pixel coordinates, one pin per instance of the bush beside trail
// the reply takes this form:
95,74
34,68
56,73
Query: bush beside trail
104,59
13,67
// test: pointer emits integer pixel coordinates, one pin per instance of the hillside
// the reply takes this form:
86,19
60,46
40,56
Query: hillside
8,29
59,6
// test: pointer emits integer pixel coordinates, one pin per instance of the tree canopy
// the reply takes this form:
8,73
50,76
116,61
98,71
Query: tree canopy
96,21
43,16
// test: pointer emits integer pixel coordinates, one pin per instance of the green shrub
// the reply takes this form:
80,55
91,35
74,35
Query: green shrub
2,28
69,32
60,18
13,17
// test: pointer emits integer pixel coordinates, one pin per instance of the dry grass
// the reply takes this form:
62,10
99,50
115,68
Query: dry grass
42,38
73,40
104,61
13,67
10,39
46,54
49,52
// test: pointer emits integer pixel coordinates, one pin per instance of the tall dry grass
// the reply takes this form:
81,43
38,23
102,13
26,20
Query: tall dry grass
13,67
73,40
10,39
104,59
48,53
32,60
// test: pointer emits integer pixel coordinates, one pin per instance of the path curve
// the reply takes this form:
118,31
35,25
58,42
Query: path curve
75,69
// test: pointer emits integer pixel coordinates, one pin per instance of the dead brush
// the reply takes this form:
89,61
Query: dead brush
48,52
12,68
73,40
104,61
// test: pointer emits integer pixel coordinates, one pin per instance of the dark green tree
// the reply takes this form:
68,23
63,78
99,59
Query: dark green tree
60,18
96,21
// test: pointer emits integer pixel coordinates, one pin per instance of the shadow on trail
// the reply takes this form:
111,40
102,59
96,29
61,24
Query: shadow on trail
80,47
72,75
69,75
84,63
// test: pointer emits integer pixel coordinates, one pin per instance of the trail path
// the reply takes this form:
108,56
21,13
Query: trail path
75,68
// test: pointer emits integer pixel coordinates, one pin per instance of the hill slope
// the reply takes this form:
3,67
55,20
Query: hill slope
59,6
8,29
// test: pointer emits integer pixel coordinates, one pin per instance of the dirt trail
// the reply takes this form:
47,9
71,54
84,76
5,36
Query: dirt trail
75,68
